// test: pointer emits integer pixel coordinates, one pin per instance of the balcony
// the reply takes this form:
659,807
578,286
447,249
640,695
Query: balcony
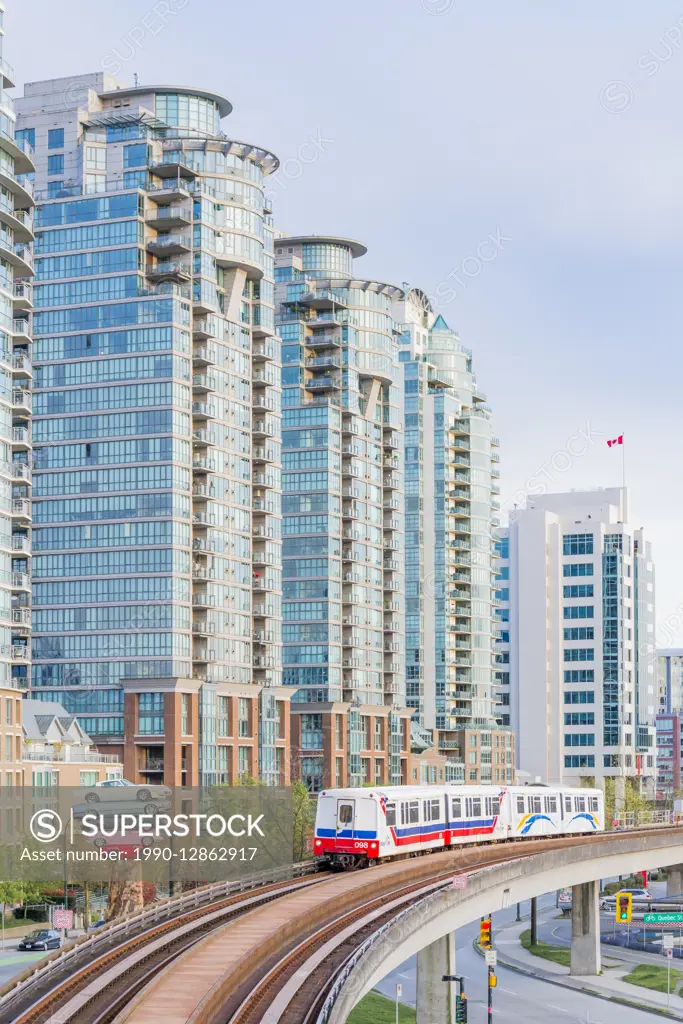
261,429
264,350
325,383
203,383
392,439
23,295
262,454
392,667
203,411
21,509
392,625
170,245
204,438
169,270
322,361
21,400
202,328
20,471
173,168
203,628
21,543
203,465
20,652
21,364
200,492
392,482
175,215
21,618
392,565
21,581
21,437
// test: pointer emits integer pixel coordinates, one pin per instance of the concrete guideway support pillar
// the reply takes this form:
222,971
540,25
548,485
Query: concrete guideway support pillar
674,880
436,998
585,954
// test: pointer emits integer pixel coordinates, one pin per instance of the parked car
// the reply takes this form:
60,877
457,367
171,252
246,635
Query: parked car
564,900
639,896
124,845
44,938
122,789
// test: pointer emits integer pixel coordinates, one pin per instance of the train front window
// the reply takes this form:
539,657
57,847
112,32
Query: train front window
345,814
391,814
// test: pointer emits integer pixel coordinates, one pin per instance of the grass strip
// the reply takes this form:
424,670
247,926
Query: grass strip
377,1009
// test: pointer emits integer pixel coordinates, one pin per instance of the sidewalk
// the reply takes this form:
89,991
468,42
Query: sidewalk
609,985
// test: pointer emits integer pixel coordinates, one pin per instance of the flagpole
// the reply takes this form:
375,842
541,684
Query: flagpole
623,464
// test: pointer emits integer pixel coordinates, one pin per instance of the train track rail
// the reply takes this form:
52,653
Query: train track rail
100,989
287,974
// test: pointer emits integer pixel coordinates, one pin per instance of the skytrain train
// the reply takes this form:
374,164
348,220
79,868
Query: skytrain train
357,827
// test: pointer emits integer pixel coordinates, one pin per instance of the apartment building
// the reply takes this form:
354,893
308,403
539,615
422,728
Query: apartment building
16,303
669,749
670,681
577,662
343,525
157,515
451,457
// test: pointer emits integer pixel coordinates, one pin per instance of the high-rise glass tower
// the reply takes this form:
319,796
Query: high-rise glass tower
451,505
156,576
16,303
343,489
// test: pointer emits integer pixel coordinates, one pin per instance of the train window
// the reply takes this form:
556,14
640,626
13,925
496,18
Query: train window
568,804
551,805
432,810
520,805
404,814
476,807
391,814
345,814
492,806
535,804
593,803
456,807
414,812
579,803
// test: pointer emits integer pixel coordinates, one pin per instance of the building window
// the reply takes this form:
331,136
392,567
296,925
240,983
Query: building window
339,772
312,773
243,718
135,156
473,774
184,714
378,734
151,714
579,739
55,138
54,188
339,730
312,732
95,158
55,164
223,706
89,778
8,710
8,748
378,771
577,544
243,761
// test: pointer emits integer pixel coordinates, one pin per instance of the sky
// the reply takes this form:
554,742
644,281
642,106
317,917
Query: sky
522,163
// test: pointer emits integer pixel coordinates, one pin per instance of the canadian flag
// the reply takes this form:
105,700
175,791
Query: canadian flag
616,440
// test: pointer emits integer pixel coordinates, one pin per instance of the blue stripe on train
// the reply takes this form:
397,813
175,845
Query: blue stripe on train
347,833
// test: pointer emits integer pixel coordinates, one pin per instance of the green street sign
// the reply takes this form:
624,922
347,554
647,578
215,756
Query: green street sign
663,918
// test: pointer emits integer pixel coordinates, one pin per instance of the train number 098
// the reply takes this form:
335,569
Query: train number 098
360,846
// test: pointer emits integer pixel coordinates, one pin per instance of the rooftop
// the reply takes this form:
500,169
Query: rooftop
357,248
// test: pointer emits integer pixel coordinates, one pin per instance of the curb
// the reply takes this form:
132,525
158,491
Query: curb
660,1011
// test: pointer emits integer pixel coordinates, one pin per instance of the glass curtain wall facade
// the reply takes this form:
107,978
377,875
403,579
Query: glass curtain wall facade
16,305
451,510
156,581
343,554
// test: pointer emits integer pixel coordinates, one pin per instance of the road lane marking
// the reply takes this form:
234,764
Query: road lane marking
560,1008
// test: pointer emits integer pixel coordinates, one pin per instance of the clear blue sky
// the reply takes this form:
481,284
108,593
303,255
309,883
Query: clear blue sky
445,128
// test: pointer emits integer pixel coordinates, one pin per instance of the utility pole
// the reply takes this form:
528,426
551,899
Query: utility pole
519,913
534,921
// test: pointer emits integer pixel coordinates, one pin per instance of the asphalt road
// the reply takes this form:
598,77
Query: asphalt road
517,997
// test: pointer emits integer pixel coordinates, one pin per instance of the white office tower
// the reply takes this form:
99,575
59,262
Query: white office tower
578,660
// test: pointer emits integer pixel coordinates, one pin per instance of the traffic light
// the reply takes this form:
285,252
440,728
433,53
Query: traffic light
493,980
485,933
461,1009
624,907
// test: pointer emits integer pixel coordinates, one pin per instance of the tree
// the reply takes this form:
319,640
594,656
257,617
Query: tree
124,898
304,819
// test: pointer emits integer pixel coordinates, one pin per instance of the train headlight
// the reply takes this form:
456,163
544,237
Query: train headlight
318,842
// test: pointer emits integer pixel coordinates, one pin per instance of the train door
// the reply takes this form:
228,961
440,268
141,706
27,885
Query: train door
346,810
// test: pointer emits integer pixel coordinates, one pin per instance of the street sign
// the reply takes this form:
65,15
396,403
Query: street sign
63,919
399,991
663,918
491,957
669,953
459,882
667,941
